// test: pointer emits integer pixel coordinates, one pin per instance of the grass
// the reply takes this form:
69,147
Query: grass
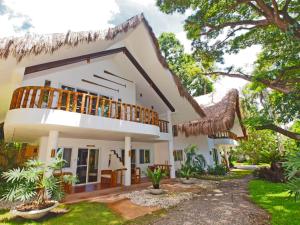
275,199
249,164
80,213
233,174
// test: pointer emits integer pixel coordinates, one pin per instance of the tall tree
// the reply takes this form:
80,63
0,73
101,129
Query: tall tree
184,65
217,27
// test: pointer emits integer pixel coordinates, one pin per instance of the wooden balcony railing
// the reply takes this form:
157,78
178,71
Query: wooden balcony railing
53,98
163,126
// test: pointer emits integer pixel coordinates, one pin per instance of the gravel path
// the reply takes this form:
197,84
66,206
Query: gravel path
228,204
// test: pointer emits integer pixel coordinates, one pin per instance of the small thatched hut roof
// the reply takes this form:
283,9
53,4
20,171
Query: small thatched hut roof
220,118
33,44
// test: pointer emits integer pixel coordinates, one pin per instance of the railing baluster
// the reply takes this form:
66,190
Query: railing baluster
102,106
33,96
130,112
74,105
82,110
60,93
50,100
125,111
14,99
25,100
20,97
41,98
109,109
116,110
90,104
68,101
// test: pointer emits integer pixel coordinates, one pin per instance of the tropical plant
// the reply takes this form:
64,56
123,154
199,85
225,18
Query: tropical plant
36,183
186,171
294,188
155,176
196,162
219,170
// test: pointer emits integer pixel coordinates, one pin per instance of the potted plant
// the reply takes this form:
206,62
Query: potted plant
155,176
36,187
186,172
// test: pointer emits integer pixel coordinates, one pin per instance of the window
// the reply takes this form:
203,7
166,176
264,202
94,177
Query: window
144,156
67,153
47,83
178,155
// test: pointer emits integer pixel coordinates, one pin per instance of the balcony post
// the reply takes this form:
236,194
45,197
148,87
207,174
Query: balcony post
46,151
171,146
127,161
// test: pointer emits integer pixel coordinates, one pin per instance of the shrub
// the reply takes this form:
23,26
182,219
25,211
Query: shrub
36,183
274,174
155,177
217,170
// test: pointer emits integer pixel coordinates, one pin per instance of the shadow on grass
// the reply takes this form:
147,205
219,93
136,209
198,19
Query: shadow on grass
80,213
275,199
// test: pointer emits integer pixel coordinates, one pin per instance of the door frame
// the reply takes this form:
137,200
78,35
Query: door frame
87,166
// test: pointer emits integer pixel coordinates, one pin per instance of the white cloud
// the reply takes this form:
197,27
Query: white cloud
50,16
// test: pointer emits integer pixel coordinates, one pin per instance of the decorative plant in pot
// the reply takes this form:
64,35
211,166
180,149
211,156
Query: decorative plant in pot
36,187
155,176
186,172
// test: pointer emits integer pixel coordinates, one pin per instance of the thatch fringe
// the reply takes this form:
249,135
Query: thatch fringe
220,118
33,44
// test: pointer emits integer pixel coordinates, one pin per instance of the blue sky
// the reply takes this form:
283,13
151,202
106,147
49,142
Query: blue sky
55,16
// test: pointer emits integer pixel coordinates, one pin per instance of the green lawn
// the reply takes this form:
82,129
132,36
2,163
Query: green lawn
233,174
81,213
275,199
249,164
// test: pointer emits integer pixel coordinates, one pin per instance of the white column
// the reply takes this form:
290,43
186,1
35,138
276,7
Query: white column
171,146
127,161
52,144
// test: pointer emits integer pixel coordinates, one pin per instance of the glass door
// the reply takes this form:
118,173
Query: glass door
82,165
93,165
87,165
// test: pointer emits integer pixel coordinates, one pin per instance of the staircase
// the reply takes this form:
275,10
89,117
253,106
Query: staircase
115,161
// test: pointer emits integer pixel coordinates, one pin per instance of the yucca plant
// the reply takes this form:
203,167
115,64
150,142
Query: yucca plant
155,176
36,183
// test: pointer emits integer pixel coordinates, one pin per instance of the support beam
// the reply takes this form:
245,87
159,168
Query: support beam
127,161
51,144
171,147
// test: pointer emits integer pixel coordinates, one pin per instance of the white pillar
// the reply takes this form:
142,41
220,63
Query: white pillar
52,144
127,161
171,147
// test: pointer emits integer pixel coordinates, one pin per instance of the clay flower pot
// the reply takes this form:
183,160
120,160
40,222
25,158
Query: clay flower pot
34,214
155,191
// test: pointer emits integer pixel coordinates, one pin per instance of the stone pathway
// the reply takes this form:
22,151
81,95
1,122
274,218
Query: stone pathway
228,204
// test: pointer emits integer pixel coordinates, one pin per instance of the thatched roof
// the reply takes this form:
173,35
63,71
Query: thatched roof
33,44
220,117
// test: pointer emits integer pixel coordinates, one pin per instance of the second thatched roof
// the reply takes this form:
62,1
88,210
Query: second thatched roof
220,118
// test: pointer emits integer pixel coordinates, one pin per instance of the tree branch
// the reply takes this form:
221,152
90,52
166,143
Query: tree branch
287,133
273,85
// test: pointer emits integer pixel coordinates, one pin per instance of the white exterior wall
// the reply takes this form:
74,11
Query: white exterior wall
104,147
72,75
203,143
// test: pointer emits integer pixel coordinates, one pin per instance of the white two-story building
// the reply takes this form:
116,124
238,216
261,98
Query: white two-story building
109,100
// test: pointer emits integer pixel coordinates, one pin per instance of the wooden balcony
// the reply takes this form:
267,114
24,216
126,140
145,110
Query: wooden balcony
53,98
